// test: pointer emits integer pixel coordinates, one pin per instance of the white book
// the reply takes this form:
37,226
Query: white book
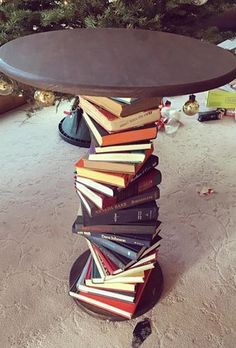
96,199
123,148
96,186
118,157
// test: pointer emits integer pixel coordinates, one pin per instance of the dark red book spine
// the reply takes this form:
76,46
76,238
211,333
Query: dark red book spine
152,178
147,196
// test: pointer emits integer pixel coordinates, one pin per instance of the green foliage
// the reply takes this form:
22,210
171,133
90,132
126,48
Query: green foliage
23,17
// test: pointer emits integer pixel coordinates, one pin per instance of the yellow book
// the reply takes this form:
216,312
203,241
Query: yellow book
115,179
221,99
112,286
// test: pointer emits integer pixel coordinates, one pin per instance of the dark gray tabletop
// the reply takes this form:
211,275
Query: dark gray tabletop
117,62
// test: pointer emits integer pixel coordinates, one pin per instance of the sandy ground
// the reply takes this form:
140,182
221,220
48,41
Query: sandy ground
38,205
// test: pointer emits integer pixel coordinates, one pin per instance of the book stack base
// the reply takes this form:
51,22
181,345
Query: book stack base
150,297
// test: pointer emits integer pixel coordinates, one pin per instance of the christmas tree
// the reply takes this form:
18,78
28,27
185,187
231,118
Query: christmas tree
195,18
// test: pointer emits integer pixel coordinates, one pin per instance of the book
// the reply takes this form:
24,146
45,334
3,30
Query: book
102,201
117,259
114,167
108,264
118,248
81,286
144,197
146,212
123,148
125,287
117,238
94,272
115,179
151,162
121,109
78,227
105,138
108,190
123,263
137,274
113,305
143,182
112,123
129,157
100,267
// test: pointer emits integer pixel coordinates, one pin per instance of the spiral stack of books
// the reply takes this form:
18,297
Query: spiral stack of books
117,183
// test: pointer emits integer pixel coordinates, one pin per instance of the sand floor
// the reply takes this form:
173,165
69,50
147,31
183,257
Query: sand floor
38,205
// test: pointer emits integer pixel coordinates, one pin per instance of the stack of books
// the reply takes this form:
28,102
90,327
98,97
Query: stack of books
117,183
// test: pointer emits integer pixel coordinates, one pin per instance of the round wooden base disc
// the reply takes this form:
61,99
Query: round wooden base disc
150,297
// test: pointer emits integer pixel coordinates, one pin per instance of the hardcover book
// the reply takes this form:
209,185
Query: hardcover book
143,182
123,148
112,305
134,230
81,286
146,213
104,138
112,123
144,197
121,109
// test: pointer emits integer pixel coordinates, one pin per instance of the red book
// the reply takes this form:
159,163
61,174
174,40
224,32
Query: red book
118,307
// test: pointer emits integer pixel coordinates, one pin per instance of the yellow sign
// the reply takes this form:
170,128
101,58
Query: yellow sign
221,99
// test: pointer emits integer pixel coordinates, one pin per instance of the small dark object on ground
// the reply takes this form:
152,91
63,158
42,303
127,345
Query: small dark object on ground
141,331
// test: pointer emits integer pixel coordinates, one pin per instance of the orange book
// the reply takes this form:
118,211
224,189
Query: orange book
134,135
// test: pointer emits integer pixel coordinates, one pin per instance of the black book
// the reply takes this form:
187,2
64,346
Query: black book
142,214
144,197
151,162
132,240
78,227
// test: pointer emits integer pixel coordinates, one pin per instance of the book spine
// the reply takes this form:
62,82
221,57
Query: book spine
115,247
120,217
95,272
152,179
151,163
116,238
119,229
145,197
126,240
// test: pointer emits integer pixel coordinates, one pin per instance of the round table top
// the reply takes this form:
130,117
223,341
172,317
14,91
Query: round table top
117,62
